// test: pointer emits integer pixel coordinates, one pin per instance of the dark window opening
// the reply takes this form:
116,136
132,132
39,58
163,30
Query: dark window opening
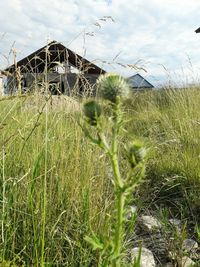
54,88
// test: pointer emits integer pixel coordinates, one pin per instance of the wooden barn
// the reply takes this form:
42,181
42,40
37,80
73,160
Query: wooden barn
55,66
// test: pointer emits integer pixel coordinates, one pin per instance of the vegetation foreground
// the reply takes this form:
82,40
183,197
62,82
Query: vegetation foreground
56,187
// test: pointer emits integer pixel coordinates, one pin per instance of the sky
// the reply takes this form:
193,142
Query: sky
155,38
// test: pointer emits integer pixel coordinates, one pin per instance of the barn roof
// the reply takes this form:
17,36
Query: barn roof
197,30
137,81
52,54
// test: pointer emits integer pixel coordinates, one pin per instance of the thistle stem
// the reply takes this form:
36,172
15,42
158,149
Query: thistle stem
114,147
115,167
112,88
119,229
120,196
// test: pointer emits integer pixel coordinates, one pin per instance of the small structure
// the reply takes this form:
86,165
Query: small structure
138,82
1,83
55,66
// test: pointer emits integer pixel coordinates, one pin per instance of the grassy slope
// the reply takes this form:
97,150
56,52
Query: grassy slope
78,188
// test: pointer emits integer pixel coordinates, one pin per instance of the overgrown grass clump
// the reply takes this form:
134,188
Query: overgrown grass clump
77,191
170,122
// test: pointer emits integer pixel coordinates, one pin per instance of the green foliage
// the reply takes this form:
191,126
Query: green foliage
94,242
72,206
112,88
137,260
169,121
80,196
197,229
92,111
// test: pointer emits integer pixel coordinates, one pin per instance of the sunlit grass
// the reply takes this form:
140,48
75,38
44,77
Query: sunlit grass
79,195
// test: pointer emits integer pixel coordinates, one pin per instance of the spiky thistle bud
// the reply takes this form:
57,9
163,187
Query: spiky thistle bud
92,111
136,153
112,87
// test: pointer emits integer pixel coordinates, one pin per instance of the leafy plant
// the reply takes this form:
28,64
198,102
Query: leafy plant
113,88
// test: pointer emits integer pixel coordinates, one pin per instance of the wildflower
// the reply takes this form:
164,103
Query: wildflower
112,87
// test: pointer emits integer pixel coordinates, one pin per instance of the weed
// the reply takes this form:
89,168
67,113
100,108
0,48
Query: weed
113,88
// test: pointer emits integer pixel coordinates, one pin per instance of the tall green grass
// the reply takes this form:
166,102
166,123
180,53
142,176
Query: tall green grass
170,122
76,186
78,191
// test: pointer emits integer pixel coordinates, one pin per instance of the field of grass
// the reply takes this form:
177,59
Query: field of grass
55,185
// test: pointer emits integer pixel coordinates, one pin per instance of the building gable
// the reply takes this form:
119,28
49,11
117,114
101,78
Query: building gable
49,56
137,81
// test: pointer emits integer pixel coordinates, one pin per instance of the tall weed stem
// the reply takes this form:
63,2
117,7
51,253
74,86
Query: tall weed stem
112,88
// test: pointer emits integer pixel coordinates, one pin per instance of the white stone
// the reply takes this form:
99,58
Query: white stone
147,258
187,262
189,245
149,223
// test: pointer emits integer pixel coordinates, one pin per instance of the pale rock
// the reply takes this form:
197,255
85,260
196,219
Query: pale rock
149,223
147,258
189,245
186,262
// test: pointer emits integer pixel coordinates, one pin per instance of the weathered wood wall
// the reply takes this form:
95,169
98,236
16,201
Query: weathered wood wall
70,83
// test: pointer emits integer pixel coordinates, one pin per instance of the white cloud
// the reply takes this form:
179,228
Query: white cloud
156,32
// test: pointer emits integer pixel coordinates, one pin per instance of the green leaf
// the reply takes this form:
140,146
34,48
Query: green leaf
94,242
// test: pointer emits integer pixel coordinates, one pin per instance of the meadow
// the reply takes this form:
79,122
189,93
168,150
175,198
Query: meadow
56,186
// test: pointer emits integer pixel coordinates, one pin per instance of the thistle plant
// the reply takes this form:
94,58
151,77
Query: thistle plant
113,88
